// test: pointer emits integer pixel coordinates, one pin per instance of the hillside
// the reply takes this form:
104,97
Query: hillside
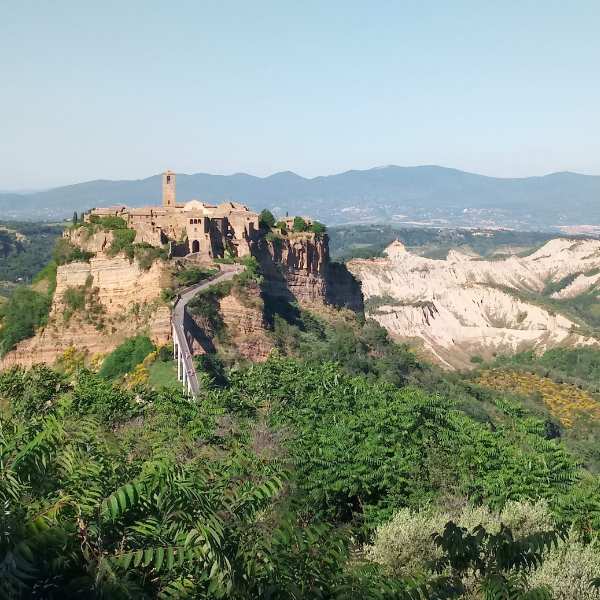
319,459
25,248
464,306
429,195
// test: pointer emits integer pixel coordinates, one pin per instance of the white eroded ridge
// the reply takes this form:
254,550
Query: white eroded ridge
465,305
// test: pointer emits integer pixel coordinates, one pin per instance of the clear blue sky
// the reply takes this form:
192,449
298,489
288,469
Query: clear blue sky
126,89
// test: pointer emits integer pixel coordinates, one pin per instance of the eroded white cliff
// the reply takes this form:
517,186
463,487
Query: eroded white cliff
464,305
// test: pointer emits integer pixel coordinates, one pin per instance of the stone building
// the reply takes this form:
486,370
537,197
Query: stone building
195,227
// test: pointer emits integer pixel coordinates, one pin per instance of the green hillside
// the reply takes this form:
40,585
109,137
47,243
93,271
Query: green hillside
325,472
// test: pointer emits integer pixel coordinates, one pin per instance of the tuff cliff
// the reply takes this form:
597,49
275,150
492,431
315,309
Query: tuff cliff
96,305
100,302
298,268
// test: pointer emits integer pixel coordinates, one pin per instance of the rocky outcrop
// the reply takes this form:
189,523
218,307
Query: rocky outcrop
464,305
51,342
121,300
297,267
95,242
244,320
240,327
121,283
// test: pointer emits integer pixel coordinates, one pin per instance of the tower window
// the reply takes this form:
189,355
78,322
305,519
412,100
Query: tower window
168,179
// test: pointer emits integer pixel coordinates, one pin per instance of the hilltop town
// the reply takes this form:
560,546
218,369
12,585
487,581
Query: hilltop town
121,272
192,227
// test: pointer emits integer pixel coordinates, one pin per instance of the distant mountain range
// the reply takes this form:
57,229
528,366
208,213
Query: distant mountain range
428,195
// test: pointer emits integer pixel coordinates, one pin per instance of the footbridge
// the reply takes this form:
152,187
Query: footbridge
182,353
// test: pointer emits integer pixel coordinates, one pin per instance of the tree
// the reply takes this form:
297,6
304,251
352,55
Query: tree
496,561
299,225
317,227
75,218
266,220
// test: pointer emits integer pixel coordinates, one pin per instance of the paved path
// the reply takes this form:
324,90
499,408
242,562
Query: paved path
185,364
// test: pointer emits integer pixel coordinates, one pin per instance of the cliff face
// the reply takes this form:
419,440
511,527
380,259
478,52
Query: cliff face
95,242
298,268
120,300
245,324
116,299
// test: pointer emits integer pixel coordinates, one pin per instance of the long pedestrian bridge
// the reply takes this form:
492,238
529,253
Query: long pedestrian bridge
182,352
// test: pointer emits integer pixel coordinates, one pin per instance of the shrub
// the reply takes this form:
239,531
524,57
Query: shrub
126,356
317,228
252,271
122,242
192,275
266,220
66,252
299,225
282,226
567,571
48,273
404,546
94,395
205,305
146,254
33,392
167,294
165,353
213,366
74,298
110,222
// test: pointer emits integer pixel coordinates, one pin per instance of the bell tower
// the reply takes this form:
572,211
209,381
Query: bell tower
168,189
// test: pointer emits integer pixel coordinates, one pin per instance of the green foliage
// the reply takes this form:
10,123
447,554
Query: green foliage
263,486
405,546
205,305
74,298
251,273
365,448
122,242
299,225
214,367
21,315
126,356
266,220
366,241
109,223
497,561
576,365
48,273
192,275
66,252
147,254
359,348
94,395
318,228
25,248
33,392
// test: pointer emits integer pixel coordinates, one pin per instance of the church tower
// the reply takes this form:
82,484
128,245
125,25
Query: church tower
168,189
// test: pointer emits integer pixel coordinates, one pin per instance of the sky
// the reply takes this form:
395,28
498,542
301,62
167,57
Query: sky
124,90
